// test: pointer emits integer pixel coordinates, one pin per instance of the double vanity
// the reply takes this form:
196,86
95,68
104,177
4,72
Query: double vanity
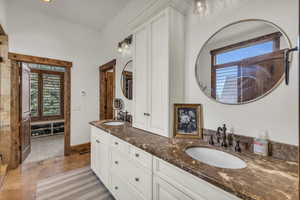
241,63
135,164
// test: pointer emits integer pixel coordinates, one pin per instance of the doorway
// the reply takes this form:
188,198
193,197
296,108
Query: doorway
44,107
107,90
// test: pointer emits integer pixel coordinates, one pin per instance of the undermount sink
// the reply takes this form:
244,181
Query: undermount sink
114,123
216,158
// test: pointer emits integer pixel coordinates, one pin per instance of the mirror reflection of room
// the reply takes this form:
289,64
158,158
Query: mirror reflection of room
127,80
246,62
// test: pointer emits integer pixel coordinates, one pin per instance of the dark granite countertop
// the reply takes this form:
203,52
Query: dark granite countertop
264,178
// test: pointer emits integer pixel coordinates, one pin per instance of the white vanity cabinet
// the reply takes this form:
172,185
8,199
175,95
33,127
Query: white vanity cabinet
164,191
124,169
171,182
99,154
133,174
158,61
130,168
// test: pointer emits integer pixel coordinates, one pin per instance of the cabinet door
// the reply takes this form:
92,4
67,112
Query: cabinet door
140,78
164,191
102,161
159,75
93,153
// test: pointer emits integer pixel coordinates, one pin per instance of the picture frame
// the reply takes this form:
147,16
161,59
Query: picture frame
188,121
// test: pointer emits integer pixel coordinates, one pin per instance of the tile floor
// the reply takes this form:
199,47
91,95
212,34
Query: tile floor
46,147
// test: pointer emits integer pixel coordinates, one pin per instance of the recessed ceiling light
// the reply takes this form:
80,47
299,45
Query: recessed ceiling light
47,1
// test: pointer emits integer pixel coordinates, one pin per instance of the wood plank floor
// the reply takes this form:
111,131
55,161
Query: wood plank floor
20,183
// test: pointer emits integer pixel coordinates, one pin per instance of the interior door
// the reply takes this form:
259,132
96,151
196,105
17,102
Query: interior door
109,95
25,130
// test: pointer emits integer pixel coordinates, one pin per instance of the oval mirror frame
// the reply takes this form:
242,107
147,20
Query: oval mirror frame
220,30
122,80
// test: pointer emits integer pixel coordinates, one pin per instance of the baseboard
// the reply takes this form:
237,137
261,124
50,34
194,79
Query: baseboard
3,172
81,148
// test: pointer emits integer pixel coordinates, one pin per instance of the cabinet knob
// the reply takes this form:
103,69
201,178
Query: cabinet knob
116,187
97,141
116,143
147,114
137,155
137,179
116,162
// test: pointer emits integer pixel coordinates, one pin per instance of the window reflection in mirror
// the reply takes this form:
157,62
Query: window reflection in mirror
242,62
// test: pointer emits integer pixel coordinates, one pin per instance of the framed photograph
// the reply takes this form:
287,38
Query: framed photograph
187,121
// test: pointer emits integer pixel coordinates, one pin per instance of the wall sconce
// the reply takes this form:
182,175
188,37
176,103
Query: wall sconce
200,6
125,44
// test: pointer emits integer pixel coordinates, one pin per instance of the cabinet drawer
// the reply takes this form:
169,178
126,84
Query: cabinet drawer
119,165
162,190
189,184
141,179
121,190
119,145
141,157
100,135
137,176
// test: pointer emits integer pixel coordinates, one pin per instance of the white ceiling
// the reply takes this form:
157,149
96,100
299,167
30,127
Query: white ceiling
94,14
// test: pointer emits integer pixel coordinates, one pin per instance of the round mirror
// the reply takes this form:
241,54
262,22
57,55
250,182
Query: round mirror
126,80
242,62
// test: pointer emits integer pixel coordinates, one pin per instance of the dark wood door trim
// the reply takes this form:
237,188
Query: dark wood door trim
102,70
67,93
299,99
38,60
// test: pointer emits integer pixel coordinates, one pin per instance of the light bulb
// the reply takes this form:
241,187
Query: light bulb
200,6
120,49
126,46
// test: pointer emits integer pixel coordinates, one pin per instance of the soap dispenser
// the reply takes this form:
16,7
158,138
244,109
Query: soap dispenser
261,144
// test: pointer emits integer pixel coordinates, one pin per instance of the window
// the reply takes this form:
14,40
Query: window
246,70
46,88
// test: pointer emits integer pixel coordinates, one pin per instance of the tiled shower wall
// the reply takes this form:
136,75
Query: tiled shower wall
5,93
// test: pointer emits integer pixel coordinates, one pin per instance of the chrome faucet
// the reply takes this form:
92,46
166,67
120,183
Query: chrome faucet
226,140
218,134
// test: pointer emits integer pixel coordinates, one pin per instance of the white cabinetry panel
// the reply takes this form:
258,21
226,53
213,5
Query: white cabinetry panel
164,191
140,78
159,62
133,174
99,154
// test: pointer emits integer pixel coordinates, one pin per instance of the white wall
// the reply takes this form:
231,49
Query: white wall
3,14
276,113
117,30
33,33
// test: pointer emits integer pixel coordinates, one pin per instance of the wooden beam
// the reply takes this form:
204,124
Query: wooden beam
39,60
